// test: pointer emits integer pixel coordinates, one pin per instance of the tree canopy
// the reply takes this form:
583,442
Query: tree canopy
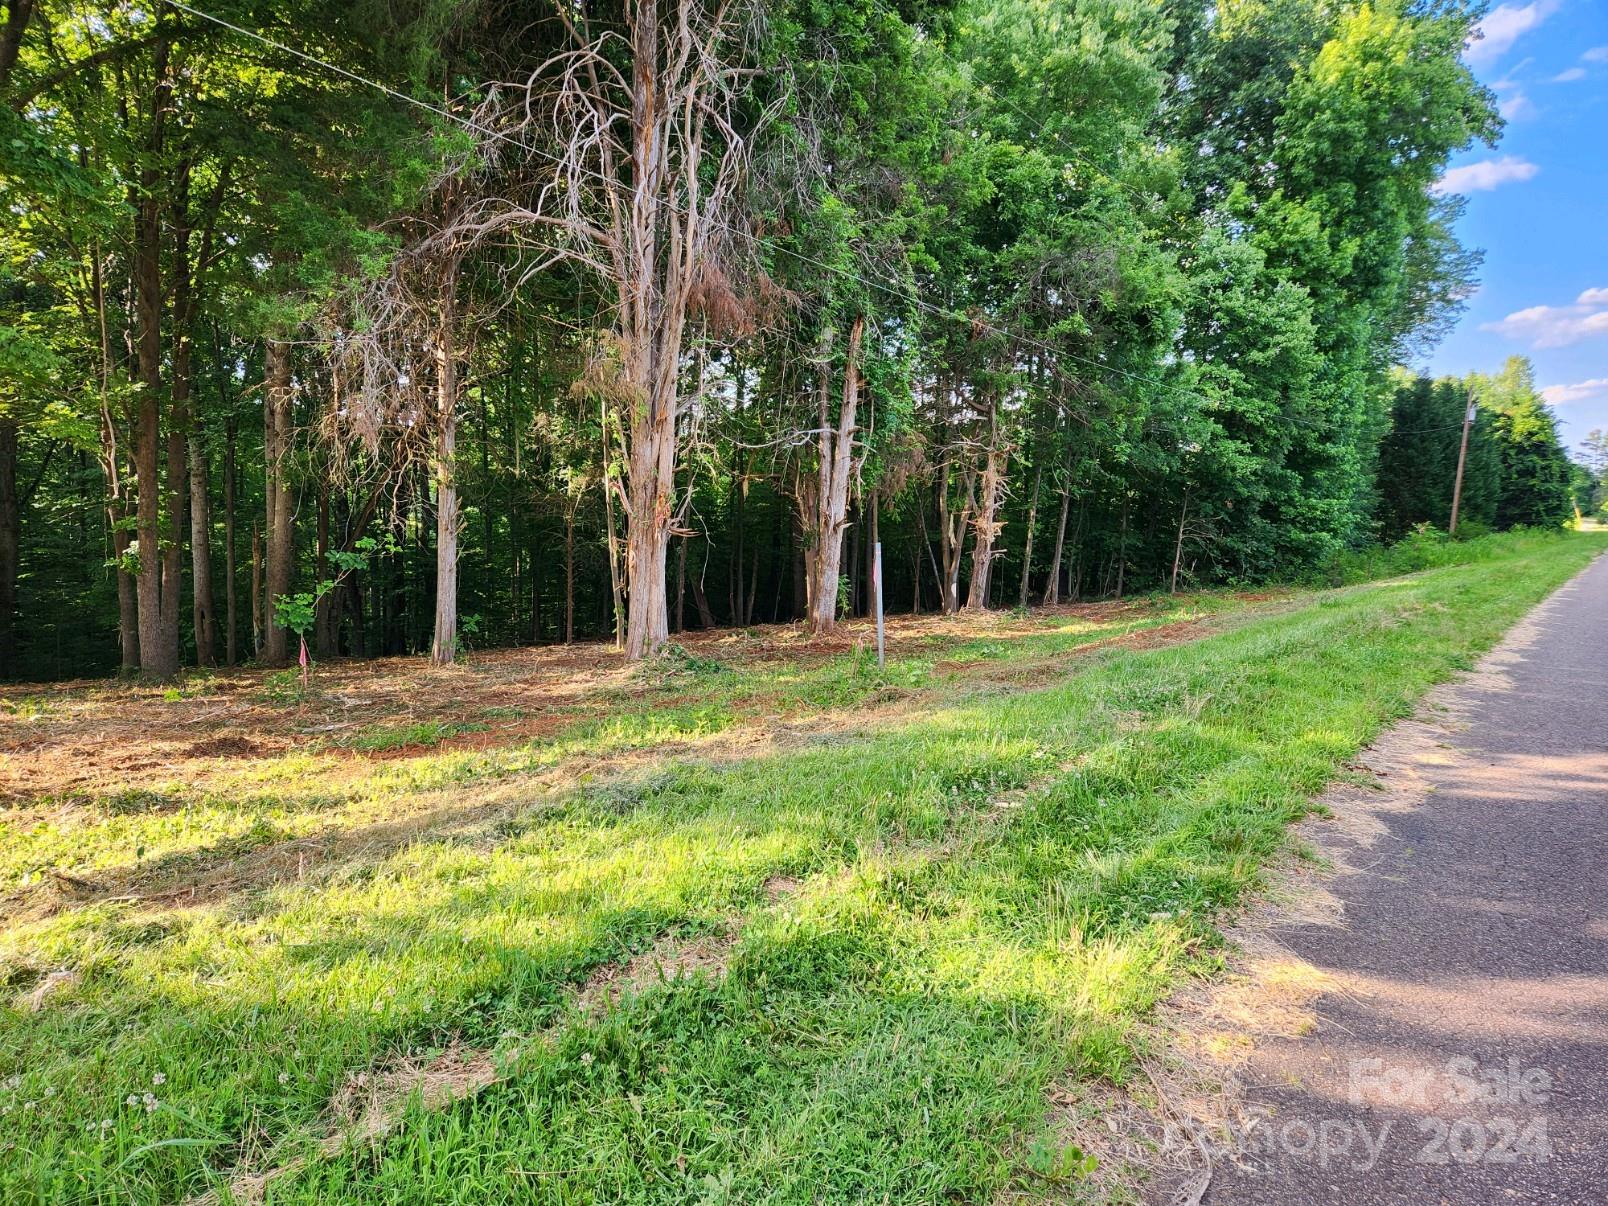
410,326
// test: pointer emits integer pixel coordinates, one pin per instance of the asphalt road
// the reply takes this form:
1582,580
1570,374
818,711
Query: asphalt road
1463,1056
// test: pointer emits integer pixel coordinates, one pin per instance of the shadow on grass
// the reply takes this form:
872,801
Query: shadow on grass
890,1028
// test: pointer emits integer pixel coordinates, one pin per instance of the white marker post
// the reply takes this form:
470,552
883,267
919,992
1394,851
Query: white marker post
876,586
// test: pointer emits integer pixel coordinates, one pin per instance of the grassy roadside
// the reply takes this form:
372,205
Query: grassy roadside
921,927
258,773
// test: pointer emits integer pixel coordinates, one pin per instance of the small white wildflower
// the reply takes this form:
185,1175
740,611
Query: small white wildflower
131,1100
50,1090
107,1124
284,1078
159,1079
28,1105
150,1103
13,1082
586,1058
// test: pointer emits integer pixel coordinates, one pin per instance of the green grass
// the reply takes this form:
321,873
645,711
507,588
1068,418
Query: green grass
995,889
381,738
183,824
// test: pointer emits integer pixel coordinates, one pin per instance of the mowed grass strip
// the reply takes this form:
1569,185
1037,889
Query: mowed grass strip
169,823
992,894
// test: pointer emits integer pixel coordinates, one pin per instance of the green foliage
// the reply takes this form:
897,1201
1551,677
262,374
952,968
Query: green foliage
425,733
1418,459
282,687
1535,473
1143,268
299,611
924,924
676,658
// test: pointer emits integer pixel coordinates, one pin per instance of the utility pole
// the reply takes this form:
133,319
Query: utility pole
1462,459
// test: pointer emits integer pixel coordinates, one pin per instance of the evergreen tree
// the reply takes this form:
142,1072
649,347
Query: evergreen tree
1535,490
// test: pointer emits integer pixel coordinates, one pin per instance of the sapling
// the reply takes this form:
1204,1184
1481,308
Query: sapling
298,612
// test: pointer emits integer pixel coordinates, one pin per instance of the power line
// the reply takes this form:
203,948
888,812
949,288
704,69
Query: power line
848,274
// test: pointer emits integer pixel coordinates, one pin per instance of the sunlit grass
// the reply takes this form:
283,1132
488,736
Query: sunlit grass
229,806
994,886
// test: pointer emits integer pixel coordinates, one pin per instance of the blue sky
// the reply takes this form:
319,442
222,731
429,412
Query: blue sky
1538,206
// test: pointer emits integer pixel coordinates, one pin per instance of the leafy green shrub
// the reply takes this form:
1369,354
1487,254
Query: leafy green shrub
678,659
1427,547
283,687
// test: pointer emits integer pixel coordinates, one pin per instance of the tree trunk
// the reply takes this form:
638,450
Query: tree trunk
569,573
987,525
177,485
128,603
444,647
256,590
324,610
952,523
230,650
17,14
647,540
1027,546
681,586
616,584
176,491
706,614
829,493
1122,550
1052,588
736,602
781,544
205,618
354,600
156,659
159,656
753,588
1178,546
801,589
535,562
855,529
117,512
1074,569
649,496
280,523
915,576
10,547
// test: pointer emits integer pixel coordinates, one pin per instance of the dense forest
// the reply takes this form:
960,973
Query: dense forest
434,324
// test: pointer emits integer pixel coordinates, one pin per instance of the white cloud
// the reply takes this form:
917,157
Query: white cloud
1485,175
1517,107
1597,54
1504,25
1569,76
1580,391
1557,326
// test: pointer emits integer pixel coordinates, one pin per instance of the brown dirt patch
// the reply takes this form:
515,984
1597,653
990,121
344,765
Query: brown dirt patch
88,746
225,747
87,738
